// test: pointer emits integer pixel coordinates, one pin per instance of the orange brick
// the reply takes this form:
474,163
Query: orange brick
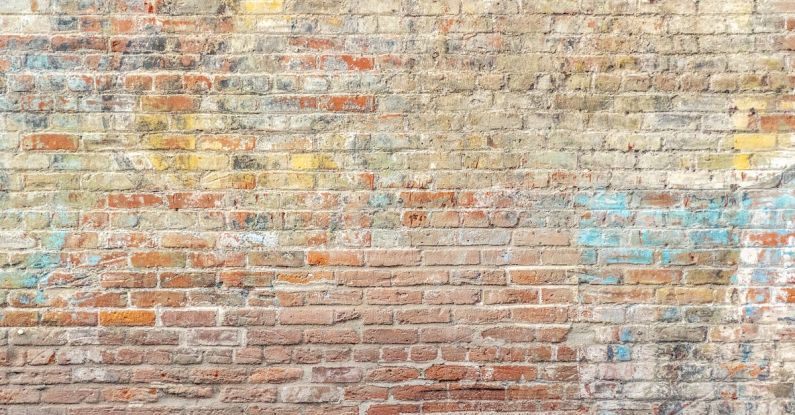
50,142
127,318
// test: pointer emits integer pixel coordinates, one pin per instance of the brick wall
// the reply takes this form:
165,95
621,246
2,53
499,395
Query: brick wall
397,207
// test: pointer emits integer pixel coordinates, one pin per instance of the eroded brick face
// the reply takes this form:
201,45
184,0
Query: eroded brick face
397,207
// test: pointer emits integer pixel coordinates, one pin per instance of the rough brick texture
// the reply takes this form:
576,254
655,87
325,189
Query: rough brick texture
227,207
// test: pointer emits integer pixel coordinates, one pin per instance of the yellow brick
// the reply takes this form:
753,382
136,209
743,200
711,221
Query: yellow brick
201,122
227,180
260,6
754,141
715,161
151,122
747,103
294,181
200,162
742,161
787,103
312,162
170,142
156,162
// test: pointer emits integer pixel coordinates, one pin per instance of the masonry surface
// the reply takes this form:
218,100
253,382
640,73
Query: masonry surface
341,207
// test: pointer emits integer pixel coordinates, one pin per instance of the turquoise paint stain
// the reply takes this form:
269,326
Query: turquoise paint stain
599,237
750,312
55,240
37,62
93,259
785,201
21,279
37,299
40,297
680,217
379,200
671,314
739,218
602,201
619,353
629,256
712,237
599,279
745,352
668,256
588,257
42,260
760,277
625,335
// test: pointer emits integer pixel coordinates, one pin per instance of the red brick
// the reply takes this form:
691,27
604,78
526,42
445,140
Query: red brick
188,318
156,259
50,142
343,258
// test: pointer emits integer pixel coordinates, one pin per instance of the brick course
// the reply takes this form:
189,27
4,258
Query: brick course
397,207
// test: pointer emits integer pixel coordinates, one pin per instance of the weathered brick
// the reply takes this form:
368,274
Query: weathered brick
384,207
49,142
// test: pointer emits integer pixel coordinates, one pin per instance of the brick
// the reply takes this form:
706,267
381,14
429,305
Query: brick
345,258
396,207
275,375
155,259
191,318
134,201
169,103
49,142
127,318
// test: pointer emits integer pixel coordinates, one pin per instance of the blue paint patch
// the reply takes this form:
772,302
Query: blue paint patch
760,277
688,218
602,201
667,256
711,237
619,353
93,259
740,218
599,237
37,62
629,256
588,257
750,312
671,314
379,200
55,240
42,260
625,334
20,279
785,201
599,279
745,352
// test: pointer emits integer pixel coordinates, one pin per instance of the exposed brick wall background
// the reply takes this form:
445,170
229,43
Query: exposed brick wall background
397,207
